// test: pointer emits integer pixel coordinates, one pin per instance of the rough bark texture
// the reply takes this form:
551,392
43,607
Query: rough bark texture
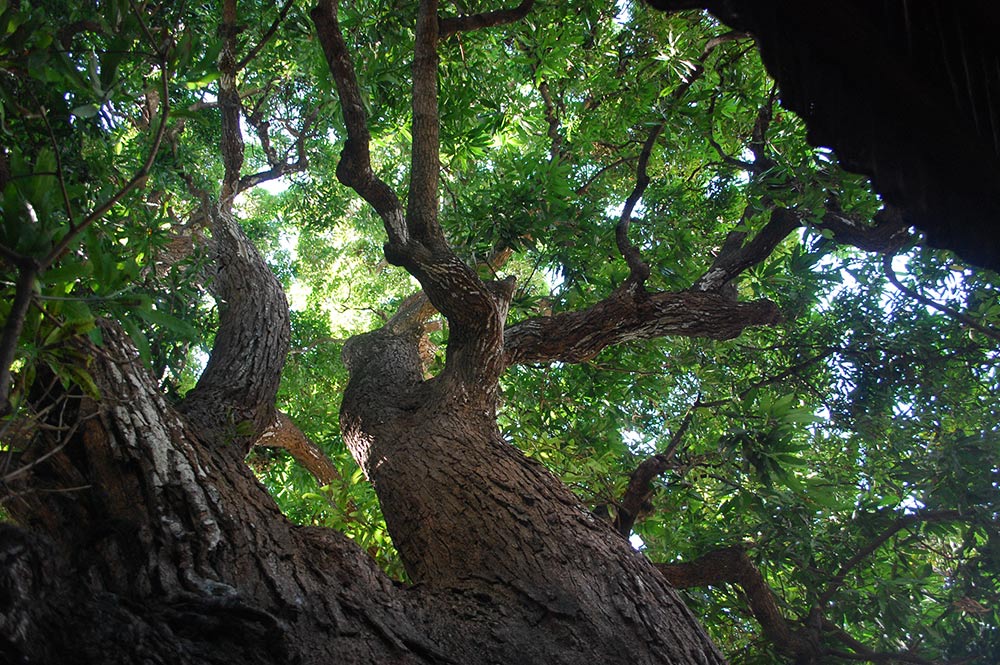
233,401
158,548
471,515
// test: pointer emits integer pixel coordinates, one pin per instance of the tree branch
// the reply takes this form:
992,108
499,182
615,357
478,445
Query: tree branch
30,268
886,235
638,268
233,401
281,167
758,135
266,37
861,652
730,264
992,333
425,165
476,311
137,179
640,483
24,289
449,26
552,119
877,542
355,169
580,335
230,107
582,189
732,566
284,433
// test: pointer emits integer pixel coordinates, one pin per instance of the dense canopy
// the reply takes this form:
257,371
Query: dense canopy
546,330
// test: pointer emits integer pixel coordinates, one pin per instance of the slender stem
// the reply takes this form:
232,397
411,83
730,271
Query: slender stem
255,51
12,329
877,542
59,167
919,297
139,178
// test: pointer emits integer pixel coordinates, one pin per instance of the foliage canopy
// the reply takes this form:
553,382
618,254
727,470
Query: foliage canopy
850,451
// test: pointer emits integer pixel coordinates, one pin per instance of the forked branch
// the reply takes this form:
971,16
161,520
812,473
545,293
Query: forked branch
638,268
729,264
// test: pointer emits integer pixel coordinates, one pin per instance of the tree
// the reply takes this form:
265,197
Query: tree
831,442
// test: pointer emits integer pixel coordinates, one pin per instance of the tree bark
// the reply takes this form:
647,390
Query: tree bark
470,514
146,545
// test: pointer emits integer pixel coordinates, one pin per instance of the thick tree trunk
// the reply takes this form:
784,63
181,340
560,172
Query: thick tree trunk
143,537
469,512
159,548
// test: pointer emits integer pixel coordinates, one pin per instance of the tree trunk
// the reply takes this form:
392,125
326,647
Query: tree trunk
469,512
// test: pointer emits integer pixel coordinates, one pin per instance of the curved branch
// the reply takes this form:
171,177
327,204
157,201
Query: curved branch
355,168
449,26
638,268
640,483
890,273
233,401
578,336
732,566
476,311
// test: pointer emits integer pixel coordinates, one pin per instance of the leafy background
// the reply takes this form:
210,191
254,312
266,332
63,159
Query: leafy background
865,413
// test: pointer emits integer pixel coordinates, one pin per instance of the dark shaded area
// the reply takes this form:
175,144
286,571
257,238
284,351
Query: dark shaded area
906,92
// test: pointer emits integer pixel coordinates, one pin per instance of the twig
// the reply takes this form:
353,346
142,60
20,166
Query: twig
890,273
897,526
137,179
255,51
